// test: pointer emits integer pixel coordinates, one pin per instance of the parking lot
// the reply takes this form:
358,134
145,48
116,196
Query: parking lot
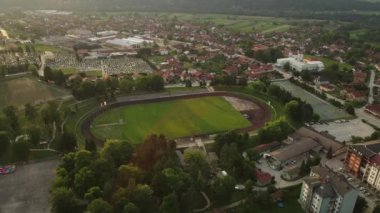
370,194
27,190
343,130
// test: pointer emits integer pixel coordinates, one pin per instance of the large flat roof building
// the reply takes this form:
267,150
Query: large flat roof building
299,64
131,42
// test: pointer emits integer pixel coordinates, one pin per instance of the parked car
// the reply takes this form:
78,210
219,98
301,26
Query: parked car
8,169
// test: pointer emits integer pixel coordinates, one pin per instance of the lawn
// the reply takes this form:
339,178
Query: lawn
27,89
44,47
74,122
174,119
97,73
328,62
241,23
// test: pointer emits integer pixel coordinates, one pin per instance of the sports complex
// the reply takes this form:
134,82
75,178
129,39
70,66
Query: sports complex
175,116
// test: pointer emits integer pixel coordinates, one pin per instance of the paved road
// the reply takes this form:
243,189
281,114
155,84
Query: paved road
43,64
5,33
371,85
368,117
27,190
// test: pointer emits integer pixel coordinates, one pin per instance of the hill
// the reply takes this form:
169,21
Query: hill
223,6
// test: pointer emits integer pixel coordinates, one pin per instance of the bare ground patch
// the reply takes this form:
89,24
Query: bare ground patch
241,104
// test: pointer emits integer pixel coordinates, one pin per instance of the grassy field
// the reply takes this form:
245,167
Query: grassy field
44,47
174,119
97,73
27,89
328,62
240,23
356,33
324,109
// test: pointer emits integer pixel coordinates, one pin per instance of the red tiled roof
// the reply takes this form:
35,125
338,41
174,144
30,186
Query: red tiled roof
263,177
375,159
374,108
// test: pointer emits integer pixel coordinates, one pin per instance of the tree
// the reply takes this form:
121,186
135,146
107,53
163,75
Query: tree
48,74
3,71
152,150
20,150
4,141
33,69
131,208
142,83
84,179
306,75
230,158
93,193
100,87
144,52
142,196
116,152
126,85
90,146
188,83
11,113
287,66
222,188
292,110
170,204
360,205
99,206
376,209
156,83
127,173
67,143
34,134
329,153
50,114
196,163
30,112
59,78
170,180
63,200
113,83
82,159
350,109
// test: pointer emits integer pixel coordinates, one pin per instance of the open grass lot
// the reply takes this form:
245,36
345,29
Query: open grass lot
242,23
27,89
324,109
44,47
174,119
329,62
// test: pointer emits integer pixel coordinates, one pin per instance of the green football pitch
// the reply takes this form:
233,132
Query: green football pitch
178,118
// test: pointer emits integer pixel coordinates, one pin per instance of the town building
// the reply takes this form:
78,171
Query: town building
373,109
131,42
363,162
299,64
301,143
325,191
351,94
